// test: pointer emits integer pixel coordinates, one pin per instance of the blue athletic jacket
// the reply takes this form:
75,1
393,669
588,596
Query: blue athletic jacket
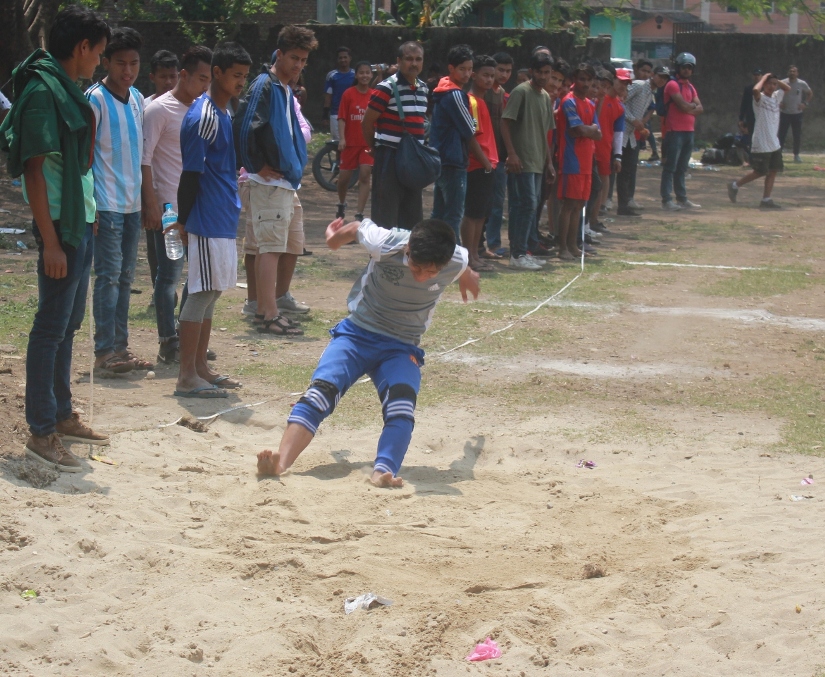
261,134
452,124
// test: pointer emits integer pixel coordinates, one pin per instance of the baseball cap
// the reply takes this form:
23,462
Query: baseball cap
661,70
757,71
624,74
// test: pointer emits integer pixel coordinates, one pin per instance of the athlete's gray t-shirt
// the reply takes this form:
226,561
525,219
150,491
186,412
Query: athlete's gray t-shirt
386,299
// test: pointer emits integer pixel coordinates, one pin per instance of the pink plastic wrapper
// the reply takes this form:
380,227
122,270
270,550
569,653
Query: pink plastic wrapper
486,651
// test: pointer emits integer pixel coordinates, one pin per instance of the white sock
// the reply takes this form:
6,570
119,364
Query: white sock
735,185
766,199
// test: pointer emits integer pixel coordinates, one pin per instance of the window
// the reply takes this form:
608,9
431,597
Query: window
663,5
731,10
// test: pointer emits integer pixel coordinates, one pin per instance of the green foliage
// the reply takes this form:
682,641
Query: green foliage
352,15
512,40
425,13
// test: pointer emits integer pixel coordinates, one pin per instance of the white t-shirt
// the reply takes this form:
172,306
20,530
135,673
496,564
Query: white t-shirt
161,146
765,137
5,104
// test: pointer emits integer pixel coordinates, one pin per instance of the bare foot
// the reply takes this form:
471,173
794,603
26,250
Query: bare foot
268,463
383,480
190,383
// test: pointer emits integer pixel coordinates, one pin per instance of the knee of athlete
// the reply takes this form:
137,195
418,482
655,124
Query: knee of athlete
315,405
399,402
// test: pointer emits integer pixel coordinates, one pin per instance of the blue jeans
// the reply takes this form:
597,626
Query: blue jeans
676,150
60,309
395,370
116,247
448,197
523,191
492,228
166,281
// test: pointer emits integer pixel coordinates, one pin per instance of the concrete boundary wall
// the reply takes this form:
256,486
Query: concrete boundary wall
377,44
725,62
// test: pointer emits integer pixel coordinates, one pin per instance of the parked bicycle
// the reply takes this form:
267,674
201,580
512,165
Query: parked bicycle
325,167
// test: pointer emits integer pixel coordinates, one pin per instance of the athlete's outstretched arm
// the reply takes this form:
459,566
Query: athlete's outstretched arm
468,282
338,234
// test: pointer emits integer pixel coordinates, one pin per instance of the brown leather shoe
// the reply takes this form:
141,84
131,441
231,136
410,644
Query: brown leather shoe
74,430
49,451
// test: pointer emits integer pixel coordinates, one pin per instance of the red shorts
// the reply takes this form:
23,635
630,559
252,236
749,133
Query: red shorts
604,164
353,157
574,186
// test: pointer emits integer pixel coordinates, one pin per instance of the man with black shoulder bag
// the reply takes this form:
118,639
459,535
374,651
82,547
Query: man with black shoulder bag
393,122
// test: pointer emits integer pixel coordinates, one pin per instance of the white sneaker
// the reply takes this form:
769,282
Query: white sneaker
687,204
592,233
633,204
250,308
533,259
609,204
288,305
524,263
671,206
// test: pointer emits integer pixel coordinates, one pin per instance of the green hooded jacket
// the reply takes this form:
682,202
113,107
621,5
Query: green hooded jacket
51,115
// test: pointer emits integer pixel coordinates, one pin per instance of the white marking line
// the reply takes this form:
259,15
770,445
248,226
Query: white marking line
703,265
757,316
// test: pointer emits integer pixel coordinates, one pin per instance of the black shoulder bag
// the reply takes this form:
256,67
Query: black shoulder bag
416,165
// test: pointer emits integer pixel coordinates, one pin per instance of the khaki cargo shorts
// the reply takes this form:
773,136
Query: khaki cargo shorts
277,220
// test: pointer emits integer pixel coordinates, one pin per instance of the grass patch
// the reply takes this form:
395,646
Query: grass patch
16,320
757,283
316,143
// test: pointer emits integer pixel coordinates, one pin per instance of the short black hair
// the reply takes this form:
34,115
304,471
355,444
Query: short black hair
585,68
163,58
432,241
641,63
358,65
123,39
604,75
526,71
229,53
72,26
410,44
540,48
343,49
483,61
609,67
193,56
458,54
539,60
503,58
561,66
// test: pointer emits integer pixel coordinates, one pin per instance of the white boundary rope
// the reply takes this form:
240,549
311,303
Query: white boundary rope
712,267
529,313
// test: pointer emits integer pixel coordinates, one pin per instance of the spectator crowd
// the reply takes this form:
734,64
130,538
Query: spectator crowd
207,146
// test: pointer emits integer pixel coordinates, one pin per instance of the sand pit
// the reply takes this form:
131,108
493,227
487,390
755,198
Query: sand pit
691,548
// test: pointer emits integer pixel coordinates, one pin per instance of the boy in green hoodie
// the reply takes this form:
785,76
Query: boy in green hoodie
48,136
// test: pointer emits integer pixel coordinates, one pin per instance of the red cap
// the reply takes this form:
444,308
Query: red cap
624,74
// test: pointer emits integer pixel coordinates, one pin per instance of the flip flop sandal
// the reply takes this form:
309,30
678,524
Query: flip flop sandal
280,326
487,254
483,268
115,364
226,382
203,392
259,319
139,363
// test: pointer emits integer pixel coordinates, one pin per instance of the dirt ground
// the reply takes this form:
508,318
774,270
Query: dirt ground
690,548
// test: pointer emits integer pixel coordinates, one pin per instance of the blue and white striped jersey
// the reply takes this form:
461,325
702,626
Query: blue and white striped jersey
118,149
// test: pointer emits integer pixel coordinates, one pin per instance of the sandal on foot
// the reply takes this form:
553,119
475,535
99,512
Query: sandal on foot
280,326
139,363
224,381
203,392
482,267
114,364
487,254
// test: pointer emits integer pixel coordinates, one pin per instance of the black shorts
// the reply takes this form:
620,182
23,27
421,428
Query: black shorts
479,198
765,163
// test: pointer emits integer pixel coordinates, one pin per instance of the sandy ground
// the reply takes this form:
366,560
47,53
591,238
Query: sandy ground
680,553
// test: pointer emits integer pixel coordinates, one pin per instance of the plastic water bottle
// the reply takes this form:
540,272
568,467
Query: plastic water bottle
174,246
